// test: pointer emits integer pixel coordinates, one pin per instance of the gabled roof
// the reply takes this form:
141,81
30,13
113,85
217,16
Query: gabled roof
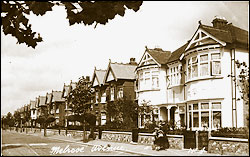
48,98
159,55
121,71
177,53
99,75
57,96
42,100
66,90
228,33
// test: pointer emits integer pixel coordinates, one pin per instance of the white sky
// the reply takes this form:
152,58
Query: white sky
69,52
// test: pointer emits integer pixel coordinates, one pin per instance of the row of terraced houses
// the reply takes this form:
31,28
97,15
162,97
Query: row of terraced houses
194,86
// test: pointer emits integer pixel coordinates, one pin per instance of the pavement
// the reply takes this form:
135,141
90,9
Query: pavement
131,148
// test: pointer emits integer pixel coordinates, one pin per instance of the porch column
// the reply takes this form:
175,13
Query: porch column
168,108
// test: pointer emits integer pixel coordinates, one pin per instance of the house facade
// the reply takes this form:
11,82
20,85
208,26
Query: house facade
99,101
120,80
33,112
152,84
58,105
201,92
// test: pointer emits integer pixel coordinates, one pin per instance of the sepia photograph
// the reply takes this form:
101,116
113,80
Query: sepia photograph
125,78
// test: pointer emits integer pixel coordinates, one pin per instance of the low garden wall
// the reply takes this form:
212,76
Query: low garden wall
228,146
125,137
175,141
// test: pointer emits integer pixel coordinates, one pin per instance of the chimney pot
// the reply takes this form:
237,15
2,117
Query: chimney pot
219,22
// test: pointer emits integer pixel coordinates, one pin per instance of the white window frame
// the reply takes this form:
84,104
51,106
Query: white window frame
210,62
120,92
112,93
210,111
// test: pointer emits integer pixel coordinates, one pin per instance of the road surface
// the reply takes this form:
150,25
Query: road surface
21,144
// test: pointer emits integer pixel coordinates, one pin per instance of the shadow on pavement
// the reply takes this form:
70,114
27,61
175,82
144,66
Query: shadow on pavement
11,147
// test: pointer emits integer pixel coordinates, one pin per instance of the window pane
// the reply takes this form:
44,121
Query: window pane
215,56
190,107
216,67
147,74
216,119
196,119
216,105
155,81
205,119
195,107
203,58
204,105
204,69
195,71
147,83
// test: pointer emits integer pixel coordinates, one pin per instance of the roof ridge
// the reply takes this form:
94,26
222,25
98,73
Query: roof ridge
215,28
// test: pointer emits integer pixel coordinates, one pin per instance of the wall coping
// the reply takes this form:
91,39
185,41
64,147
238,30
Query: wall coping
150,134
115,132
228,139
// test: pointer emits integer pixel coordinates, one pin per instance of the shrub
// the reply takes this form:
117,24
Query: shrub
230,132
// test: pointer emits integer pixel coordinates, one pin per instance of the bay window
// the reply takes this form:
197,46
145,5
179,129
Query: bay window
204,115
204,65
148,80
174,75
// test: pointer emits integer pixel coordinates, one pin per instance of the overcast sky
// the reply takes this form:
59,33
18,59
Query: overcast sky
69,52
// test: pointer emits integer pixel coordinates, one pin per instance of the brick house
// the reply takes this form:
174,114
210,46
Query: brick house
100,96
120,80
58,105
33,112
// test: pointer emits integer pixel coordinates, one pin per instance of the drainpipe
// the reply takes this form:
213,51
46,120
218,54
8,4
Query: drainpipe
233,88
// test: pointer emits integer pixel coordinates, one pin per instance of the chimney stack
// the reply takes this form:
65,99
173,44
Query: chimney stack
87,78
219,22
132,61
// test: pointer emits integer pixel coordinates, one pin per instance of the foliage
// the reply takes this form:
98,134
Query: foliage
17,117
15,20
243,79
232,132
81,98
8,120
124,113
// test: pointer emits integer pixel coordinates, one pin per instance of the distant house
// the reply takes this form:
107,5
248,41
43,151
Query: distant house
48,103
100,96
42,106
58,104
33,112
120,79
67,89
